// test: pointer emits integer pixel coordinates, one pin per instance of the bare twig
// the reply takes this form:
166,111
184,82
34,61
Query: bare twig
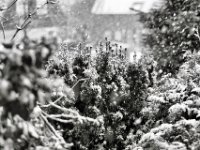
61,120
11,4
62,116
136,10
53,130
27,20
72,119
3,18
2,28
66,110
71,114
1,22
50,127
52,1
78,82
56,101
19,28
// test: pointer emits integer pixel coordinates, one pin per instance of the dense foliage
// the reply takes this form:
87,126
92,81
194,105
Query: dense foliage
172,111
136,109
174,31
108,88
102,102
53,98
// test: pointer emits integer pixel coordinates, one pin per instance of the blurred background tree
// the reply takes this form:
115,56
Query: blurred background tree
174,30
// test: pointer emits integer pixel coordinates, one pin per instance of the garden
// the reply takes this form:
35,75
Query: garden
51,99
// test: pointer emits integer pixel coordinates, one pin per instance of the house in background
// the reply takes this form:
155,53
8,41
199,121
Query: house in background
118,20
83,20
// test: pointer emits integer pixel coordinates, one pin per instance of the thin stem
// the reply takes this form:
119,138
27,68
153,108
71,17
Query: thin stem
27,21
56,101
11,4
50,126
3,30
78,82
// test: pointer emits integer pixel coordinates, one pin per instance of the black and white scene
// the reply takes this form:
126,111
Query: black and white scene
99,74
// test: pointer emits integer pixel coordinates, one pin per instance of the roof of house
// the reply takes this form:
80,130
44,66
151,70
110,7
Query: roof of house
124,6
